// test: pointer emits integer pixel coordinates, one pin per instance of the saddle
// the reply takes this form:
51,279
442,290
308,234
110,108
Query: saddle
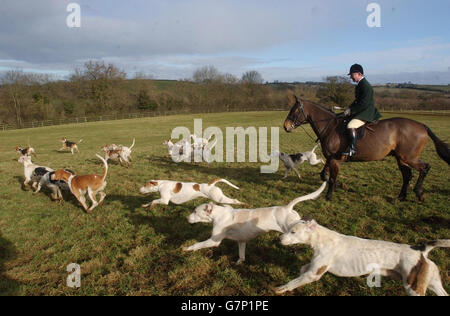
361,131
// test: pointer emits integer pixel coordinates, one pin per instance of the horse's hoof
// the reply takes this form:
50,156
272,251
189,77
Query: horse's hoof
419,194
401,198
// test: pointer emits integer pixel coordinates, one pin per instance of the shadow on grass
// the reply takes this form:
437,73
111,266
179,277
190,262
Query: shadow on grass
168,221
111,162
245,172
67,151
130,203
20,180
435,222
7,252
178,232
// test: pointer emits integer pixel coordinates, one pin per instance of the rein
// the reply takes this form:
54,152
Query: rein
312,123
322,133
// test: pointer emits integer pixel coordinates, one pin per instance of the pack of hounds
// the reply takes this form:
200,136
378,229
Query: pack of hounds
341,255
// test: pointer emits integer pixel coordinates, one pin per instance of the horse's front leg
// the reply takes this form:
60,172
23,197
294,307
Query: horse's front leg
325,171
334,170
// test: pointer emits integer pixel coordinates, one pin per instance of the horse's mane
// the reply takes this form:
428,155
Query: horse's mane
321,106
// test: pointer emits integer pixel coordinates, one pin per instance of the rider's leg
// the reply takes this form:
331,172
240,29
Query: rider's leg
352,126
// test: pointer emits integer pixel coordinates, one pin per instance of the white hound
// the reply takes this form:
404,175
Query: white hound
348,256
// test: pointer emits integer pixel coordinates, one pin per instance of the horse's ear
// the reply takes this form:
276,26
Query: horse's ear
292,99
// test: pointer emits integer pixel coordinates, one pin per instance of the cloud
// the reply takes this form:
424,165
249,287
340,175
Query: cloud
36,31
170,39
417,56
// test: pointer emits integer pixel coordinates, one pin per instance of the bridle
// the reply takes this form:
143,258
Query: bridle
295,118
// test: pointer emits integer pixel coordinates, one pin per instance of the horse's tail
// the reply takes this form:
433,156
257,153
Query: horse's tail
442,148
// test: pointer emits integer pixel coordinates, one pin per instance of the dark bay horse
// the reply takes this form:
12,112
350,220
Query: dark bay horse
400,137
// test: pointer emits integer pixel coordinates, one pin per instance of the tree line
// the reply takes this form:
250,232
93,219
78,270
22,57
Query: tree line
98,88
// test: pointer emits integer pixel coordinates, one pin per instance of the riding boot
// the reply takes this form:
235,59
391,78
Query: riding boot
352,150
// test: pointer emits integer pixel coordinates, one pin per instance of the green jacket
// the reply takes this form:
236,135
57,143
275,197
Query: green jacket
363,108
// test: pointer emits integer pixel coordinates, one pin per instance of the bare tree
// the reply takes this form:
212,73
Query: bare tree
140,75
206,74
229,79
252,77
101,79
337,91
14,83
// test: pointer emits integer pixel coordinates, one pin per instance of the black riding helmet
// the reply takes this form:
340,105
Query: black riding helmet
356,68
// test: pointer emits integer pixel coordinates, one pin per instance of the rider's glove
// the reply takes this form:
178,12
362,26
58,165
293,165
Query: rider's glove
347,112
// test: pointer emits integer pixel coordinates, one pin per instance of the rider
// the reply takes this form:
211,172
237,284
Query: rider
363,109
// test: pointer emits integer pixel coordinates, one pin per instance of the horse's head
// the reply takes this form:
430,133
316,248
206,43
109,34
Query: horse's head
296,116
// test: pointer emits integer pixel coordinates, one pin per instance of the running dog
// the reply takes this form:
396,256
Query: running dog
26,151
69,145
120,152
180,192
80,185
243,225
55,186
181,151
348,256
32,172
291,162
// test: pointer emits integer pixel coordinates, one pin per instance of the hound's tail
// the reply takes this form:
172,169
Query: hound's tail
134,140
106,166
440,243
442,148
79,142
314,148
224,181
310,196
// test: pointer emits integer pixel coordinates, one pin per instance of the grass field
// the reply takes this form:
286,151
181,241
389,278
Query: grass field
126,250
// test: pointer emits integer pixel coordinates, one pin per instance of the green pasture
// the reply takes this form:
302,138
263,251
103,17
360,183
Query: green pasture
124,249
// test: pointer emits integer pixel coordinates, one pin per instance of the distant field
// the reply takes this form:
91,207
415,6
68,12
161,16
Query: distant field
126,250
420,89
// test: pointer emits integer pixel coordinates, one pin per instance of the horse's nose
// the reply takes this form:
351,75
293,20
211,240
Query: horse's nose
287,128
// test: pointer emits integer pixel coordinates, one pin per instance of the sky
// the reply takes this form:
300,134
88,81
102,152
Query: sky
285,40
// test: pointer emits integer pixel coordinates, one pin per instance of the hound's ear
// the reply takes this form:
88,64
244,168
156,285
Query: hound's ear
312,225
209,207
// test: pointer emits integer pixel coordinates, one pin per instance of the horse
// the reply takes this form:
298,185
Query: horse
399,137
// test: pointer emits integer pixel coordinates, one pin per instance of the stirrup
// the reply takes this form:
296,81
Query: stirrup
350,153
